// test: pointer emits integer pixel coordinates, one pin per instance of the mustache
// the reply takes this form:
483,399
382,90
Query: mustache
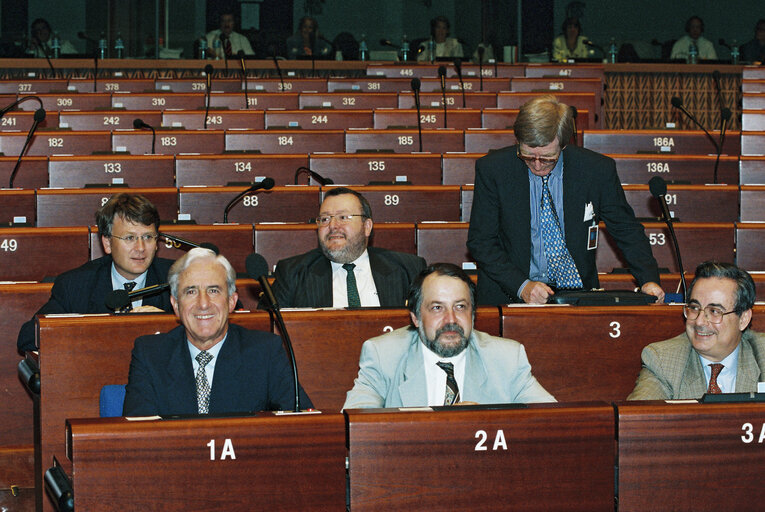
450,327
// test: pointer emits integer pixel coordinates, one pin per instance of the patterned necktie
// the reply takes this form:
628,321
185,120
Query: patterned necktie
452,393
560,265
714,389
227,47
129,286
203,387
353,292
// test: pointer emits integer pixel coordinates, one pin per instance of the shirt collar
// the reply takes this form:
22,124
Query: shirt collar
118,280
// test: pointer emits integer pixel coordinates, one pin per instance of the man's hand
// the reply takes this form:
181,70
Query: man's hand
654,289
146,309
536,292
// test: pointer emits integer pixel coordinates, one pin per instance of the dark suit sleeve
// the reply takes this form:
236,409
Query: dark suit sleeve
485,224
281,387
284,284
140,395
57,303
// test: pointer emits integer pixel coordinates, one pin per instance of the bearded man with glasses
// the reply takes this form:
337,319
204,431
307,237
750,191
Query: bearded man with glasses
536,208
344,271
717,353
128,225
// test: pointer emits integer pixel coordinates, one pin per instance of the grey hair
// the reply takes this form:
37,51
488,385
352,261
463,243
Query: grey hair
542,120
194,254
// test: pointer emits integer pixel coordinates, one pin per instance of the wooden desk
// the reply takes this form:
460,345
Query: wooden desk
688,203
17,203
750,239
541,457
111,84
564,70
216,119
256,99
286,141
290,84
481,141
131,170
459,168
106,119
32,173
319,119
31,254
347,100
701,457
218,170
444,242
472,84
753,143
197,84
430,101
680,142
20,120
56,101
752,170
46,143
361,169
692,169
33,86
403,141
581,100
170,142
752,203
281,463
395,118
159,100
411,203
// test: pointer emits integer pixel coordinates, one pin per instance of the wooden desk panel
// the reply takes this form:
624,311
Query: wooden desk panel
45,143
171,142
77,207
752,120
752,143
444,242
32,173
197,84
691,169
255,100
319,119
752,203
369,84
280,204
106,119
404,141
503,119
752,86
424,69
459,168
411,203
132,170
361,169
31,254
698,242
564,71
429,100
69,101
753,101
219,170
752,170
752,73
216,119
466,202
32,86
17,203
286,141
290,84
606,340
111,84
347,100
281,463
685,142
470,84
584,101
750,239
687,203
557,84
495,457
459,119
480,140
158,101
667,451
19,120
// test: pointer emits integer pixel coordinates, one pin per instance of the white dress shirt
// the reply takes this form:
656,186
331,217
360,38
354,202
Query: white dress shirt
210,368
364,282
118,283
436,377
726,379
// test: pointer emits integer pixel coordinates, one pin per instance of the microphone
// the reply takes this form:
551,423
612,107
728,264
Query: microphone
416,89
183,241
83,35
38,118
458,69
240,54
678,104
480,51
725,115
658,188
266,184
442,76
223,38
209,71
139,124
387,42
593,45
122,300
44,49
716,77
257,268
315,175
18,102
574,114
278,70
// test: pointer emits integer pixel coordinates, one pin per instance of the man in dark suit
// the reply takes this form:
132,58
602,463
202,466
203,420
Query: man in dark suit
207,365
343,271
128,225
536,208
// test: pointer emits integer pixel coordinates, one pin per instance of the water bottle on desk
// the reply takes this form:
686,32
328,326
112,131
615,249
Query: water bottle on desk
612,51
119,46
102,46
734,53
202,48
218,49
404,49
693,53
56,46
363,48
432,50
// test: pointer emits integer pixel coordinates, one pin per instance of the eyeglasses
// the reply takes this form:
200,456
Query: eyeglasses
713,314
343,218
132,239
529,160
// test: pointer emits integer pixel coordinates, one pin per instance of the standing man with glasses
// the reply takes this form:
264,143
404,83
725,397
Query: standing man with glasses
717,353
343,271
128,225
536,208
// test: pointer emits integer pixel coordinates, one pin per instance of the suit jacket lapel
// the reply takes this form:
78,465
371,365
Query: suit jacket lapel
573,206
101,288
182,384
747,373
475,375
225,378
693,383
413,390
381,271
318,285
517,208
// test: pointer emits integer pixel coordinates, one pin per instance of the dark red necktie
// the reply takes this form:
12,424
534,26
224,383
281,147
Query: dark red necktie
713,387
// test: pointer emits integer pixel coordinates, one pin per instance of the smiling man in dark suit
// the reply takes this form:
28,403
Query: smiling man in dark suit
536,208
206,365
343,271
128,225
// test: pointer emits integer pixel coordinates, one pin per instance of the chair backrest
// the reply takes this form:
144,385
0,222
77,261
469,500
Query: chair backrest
111,399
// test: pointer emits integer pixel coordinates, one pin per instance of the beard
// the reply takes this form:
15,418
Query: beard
439,348
353,248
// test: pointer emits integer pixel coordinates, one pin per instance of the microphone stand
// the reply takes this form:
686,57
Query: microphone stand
244,79
658,189
266,184
38,118
278,70
416,88
208,78
480,50
725,115
458,68
318,177
442,76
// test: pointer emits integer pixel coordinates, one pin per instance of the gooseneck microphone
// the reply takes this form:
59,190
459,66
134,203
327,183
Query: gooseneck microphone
416,89
725,115
122,300
183,241
442,76
18,102
257,268
46,53
223,38
315,175
39,117
138,124
209,71
480,51
716,79
240,54
278,70
458,69
265,184
658,188
678,104
574,115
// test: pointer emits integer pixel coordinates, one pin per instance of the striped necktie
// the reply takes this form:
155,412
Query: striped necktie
560,265
452,392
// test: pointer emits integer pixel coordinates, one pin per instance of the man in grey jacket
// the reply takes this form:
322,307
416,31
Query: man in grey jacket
442,360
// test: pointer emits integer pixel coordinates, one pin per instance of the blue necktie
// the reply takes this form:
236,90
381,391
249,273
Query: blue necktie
561,268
